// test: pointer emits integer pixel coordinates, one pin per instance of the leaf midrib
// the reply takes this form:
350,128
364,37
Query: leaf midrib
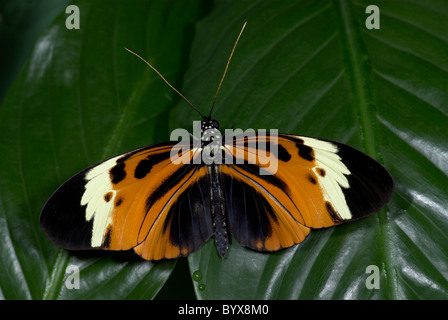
362,98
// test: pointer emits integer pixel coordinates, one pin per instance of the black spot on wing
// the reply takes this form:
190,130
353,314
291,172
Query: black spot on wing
107,238
117,173
305,152
108,196
264,143
142,169
311,179
283,154
145,165
321,172
279,151
333,214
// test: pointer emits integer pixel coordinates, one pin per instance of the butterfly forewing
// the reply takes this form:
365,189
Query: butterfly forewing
139,199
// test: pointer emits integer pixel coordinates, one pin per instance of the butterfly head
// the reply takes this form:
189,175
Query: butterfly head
208,123
210,132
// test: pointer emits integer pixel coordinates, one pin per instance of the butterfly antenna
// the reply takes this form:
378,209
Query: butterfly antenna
227,66
166,81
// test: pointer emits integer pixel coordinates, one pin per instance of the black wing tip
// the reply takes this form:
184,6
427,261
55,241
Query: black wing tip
63,220
371,185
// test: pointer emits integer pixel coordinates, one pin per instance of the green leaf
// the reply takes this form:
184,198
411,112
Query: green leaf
313,68
303,67
81,98
21,24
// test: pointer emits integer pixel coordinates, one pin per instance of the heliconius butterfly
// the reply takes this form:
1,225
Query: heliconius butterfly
165,207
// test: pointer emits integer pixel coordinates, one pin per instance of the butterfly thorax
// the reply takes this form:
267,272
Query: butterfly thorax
211,139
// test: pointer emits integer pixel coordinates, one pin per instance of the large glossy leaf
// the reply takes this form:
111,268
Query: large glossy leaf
303,67
79,99
21,24
313,68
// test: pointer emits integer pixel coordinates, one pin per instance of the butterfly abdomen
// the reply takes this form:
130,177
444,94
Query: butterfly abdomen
218,211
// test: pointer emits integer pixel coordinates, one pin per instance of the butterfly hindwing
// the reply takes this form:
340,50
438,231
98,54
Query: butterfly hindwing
133,200
185,223
257,220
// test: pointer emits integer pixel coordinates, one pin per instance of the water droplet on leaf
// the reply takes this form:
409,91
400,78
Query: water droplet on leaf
197,275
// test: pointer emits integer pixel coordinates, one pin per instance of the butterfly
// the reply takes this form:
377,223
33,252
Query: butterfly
267,190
